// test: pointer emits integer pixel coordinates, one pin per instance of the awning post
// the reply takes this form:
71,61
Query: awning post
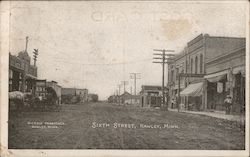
179,84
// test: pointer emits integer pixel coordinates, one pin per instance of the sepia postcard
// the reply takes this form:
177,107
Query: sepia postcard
124,78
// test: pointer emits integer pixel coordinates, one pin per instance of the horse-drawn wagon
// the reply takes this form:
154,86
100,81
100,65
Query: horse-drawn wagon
27,101
48,103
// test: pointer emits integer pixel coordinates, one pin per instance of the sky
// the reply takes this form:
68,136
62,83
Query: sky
96,45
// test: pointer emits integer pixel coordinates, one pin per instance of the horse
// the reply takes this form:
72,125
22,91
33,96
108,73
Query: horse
17,100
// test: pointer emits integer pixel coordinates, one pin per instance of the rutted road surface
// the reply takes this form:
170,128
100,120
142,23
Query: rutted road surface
109,126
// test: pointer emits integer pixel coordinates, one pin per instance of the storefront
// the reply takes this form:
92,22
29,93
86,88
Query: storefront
228,82
22,74
193,94
238,88
218,87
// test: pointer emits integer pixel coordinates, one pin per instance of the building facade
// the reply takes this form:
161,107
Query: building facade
209,67
190,63
74,95
57,88
92,97
22,74
40,88
41,91
151,96
113,99
225,73
129,99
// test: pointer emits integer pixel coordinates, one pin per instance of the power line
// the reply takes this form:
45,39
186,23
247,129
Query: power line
124,85
107,64
134,76
119,93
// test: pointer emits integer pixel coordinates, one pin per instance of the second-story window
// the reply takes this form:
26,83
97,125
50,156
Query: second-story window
196,65
201,63
191,65
172,75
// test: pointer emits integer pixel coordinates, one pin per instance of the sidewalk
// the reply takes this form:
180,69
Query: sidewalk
216,114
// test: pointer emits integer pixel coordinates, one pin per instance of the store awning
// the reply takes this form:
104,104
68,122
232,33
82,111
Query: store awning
31,76
216,76
240,69
193,90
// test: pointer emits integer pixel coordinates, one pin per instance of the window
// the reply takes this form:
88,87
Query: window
10,74
201,63
177,73
196,64
10,85
172,75
186,67
192,65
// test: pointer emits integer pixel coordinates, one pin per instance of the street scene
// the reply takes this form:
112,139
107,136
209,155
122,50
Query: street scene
107,126
155,75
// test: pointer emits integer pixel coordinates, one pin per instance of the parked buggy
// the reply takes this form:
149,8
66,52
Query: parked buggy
48,103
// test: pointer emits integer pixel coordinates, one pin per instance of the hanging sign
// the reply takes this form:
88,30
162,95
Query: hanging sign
219,87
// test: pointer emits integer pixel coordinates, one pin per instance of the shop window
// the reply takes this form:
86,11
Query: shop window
196,64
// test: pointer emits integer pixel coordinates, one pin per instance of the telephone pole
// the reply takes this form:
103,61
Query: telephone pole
119,93
124,85
163,57
135,76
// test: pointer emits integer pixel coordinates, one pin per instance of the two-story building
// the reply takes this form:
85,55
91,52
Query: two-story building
190,63
210,68
41,91
22,75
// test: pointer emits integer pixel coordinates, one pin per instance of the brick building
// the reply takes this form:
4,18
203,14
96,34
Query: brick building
211,67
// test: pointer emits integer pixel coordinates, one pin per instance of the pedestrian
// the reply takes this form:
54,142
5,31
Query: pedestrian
172,103
228,104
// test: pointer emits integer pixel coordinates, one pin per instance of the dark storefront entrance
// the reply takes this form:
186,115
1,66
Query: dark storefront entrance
216,97
239,94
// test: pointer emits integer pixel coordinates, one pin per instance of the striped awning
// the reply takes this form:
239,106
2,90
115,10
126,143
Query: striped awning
217,76
194,89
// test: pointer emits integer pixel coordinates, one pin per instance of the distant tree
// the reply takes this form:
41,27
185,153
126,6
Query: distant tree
94,97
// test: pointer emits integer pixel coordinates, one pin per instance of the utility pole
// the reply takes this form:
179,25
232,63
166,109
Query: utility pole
131,94
25,71
124,85
26,46
164,60
134,76
116,97
119,93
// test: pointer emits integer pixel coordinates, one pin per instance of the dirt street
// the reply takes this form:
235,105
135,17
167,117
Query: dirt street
109,126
